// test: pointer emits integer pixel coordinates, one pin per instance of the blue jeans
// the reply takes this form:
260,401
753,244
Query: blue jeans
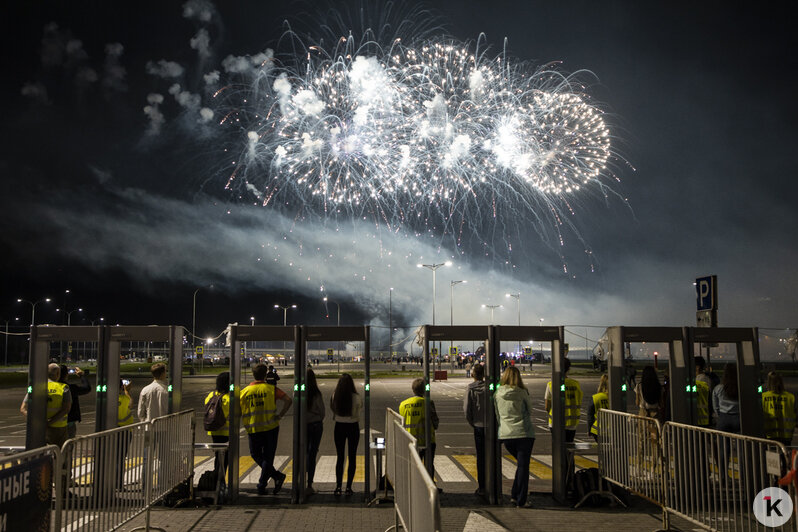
262,447
521,450
479,443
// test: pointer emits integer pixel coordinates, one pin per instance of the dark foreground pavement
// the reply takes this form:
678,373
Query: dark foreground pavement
258,514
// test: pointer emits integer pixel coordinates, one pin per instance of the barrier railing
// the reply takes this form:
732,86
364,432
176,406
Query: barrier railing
708,477
630,453
26,487
390,445
416,502
713,476
108,478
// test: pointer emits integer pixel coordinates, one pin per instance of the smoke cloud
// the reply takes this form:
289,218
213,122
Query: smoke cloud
164,69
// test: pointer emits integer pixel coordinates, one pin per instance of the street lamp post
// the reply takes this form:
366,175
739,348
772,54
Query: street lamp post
433,268
69,322
5,352
285,318
541,342
452,284
390,325
517,297
339,324
33,308
492,308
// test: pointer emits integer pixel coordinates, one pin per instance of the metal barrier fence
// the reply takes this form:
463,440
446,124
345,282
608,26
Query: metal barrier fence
390,445
630,453
416,502
705,476
713,477
26,486
108,478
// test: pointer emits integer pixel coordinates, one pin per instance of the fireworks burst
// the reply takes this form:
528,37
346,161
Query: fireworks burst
434,136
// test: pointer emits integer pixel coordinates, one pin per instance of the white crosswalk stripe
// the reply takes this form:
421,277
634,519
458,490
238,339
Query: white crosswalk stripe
254,476
448,471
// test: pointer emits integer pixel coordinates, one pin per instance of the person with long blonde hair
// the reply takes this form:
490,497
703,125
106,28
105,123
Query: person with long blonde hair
513,407
600,400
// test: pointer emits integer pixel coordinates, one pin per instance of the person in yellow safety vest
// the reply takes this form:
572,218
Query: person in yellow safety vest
573,402
412,410
59,401
124,413
779,409
260,419
221,435
702,397
600,400
124,417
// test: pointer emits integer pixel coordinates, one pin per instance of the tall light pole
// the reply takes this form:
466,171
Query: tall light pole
541,342
285,313
33,308
6,341
339,324
433,268
452,284
194,314
69,322
390,325
492,308
517,297
285,318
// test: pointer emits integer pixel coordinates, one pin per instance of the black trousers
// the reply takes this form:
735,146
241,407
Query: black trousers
347,436
314,433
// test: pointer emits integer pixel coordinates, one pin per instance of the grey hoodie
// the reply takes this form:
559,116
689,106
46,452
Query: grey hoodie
513,413
474,404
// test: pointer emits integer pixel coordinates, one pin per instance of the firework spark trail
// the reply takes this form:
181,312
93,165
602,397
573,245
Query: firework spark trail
428,132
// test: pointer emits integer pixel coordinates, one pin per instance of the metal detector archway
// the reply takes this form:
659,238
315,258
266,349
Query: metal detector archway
300,335
681,343
495,334
680,373
109,340
746,341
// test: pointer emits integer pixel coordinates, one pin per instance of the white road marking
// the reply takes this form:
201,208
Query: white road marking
448,471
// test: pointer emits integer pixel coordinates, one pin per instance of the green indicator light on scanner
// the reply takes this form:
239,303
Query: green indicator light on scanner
232,387
296,387
427,387
302,388
105,388
368,386
169,388
623,387
30,389
562,387
759,389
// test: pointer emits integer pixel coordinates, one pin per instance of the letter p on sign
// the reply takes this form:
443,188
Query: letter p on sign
706,293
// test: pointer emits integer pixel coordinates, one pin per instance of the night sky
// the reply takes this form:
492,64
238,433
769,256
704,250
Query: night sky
700,99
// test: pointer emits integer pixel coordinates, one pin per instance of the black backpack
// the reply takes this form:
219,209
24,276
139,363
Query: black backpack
214,414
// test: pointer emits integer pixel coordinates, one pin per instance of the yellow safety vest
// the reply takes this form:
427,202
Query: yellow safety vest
573,403
258,407
600,400
225,430
124,416
412,410
702,403
55,400
779,411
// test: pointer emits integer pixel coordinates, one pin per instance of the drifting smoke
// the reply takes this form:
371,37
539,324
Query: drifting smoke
201,43
114,72
164,69
36,91
201,10
153,112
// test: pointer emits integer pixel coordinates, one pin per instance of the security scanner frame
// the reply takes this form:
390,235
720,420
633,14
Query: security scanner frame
681,373
494,335
681,368
300,335
109,340
746,341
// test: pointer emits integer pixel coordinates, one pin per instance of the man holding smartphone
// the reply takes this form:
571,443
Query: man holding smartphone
77,389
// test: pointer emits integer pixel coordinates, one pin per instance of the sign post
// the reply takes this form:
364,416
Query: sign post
706,291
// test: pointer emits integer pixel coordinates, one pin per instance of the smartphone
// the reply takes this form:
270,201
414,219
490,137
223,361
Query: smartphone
125,382
72,371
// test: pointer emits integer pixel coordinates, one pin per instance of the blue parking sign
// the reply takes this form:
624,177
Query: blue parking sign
706,291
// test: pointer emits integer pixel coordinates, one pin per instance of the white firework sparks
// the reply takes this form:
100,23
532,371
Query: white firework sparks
431,136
